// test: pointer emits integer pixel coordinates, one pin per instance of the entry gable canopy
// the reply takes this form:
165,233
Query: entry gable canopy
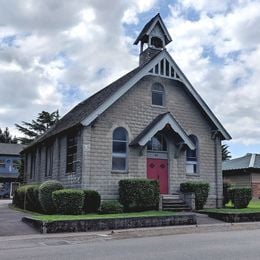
158,124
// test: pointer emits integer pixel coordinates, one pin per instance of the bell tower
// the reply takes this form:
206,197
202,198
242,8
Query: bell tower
153,38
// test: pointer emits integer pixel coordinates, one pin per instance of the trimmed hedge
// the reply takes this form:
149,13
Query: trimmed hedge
139,194
19,197
111,207
68,201
200,189
26,197
91,201
226,198
32,198
45,195
240,197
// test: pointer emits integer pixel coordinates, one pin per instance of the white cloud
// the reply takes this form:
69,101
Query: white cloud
56,53
220,54
136,7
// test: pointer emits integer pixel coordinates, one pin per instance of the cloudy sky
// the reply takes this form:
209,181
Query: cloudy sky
55,53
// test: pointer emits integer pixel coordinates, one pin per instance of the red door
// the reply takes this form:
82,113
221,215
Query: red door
157,169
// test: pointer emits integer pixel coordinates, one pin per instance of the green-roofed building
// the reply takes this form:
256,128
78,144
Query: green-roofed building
244,171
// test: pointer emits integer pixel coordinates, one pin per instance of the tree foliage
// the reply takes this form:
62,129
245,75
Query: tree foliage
38,126
226,155
6,137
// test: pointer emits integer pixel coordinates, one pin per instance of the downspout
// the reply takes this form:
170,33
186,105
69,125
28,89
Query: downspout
214,137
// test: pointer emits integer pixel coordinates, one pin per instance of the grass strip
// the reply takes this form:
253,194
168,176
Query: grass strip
50,218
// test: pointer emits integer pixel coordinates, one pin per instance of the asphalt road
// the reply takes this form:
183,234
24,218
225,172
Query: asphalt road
10,221
216,245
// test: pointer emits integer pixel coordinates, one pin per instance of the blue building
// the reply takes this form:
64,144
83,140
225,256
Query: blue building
10,160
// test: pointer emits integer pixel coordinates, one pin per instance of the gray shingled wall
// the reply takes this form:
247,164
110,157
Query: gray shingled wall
134,112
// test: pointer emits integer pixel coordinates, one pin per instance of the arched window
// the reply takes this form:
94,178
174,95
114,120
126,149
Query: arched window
119,153
158,95
192,157
157,143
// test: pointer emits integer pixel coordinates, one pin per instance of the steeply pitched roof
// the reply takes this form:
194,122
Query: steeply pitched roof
248,161
86,112
149,25
11,149
158,124
86,107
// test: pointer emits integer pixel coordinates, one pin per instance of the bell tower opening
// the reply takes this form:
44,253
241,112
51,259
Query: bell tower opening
157,42
153,39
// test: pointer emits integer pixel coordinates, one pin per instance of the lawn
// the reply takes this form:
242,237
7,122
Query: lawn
253,207
152,213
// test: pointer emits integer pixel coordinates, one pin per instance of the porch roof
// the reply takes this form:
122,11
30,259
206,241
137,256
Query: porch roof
158,124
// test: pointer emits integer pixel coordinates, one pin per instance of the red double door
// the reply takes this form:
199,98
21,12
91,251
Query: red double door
157,169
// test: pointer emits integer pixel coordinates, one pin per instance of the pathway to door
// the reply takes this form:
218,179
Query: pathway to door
10,221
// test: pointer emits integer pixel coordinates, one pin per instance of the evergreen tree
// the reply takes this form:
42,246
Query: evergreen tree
37,127
226,155
6,137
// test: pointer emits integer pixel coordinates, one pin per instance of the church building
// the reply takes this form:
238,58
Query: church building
150,123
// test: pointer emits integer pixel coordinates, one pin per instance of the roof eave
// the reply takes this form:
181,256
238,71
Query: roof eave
166,119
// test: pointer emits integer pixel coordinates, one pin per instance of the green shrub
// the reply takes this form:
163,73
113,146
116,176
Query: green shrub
111,207
226,198
139,194
25,198
19,197
45,195
91,201
32,198
240,197
200,189
68,201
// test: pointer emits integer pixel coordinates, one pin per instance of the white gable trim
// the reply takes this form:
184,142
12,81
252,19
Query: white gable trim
198,98
166,69
158,19
129,84
167,119
145,71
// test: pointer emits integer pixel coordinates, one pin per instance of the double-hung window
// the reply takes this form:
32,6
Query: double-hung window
72,144
192,157
158,95
119,153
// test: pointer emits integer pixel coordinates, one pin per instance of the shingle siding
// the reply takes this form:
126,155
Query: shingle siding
59,147
134,112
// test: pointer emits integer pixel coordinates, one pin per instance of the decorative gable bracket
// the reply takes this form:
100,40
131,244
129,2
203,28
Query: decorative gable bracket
180,148
165,69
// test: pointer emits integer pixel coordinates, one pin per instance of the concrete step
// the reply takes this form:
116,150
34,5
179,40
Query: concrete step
177,209
173,202
174,205
170,196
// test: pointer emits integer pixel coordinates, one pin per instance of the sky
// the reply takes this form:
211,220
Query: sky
56,53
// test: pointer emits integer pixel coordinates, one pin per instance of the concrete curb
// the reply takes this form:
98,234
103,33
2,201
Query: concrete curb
102,224
141,232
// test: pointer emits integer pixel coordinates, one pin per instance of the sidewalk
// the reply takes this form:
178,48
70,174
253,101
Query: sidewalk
15,234
39,240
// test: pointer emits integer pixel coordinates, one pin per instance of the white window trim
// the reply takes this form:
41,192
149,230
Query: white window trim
120,155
